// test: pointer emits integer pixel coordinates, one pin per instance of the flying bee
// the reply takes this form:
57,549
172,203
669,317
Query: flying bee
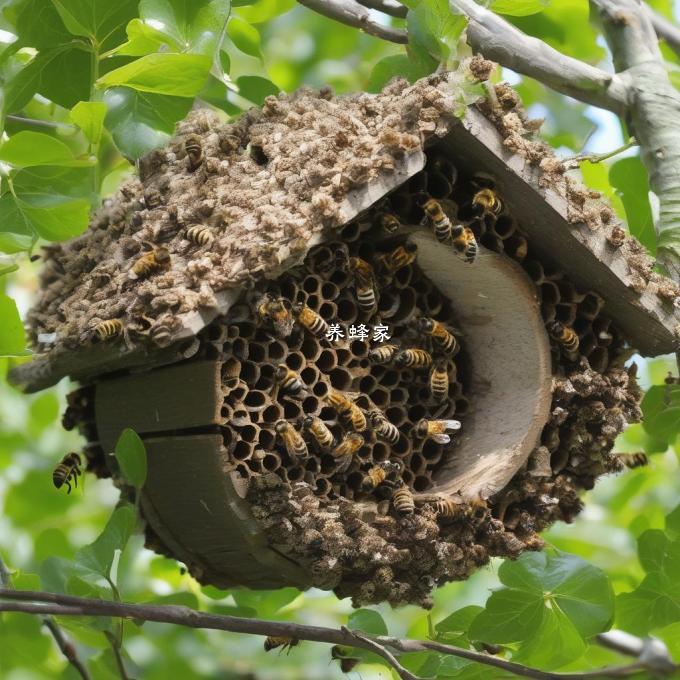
106,330
403,501
396,259
347,663
441,223
446,507
633,460
383,427
382,355
274,642
385,472
441,335
67,471
149,263
464,243
436,429
413,358
439,381
488,201
200,235
310,320
564,335
194,149
348,409
389,223
345,450
294,443
288,380
277,312
323,436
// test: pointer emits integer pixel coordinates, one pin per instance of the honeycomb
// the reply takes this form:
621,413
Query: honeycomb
323,511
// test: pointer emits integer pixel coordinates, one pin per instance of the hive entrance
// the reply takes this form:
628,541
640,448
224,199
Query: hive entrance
353,355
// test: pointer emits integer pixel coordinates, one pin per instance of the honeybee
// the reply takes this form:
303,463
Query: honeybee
383,427
149,263
382,355
403,501
436,429
292,440
324,437
200,235
441,335
288,380
478,509
464,243
67,471
564,335
399,257
348,409
366,300
106,330
345,450
152,198
441,223
362,271
347,663
389,223
439,381
488,201
310,320
381,473
446,507
633,460
413,358
194,149
273,642
276,311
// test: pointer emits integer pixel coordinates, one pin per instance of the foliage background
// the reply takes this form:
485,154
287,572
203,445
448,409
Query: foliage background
52,55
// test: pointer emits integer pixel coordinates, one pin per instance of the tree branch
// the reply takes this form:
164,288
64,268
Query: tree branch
391,7
665,29
498,40
654,110
66,647
68,605
353,14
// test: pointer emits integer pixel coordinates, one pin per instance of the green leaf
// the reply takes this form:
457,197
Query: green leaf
367,621
89,117
673,524
509,616
255,88
397,65
180,75
102,21
193,27
141,121
244,36
25,149
53,217
454,628
141,39
44,411
660,409
38,25
266,603
12,336
98,556
519,8
629,177
260,11
433,27
131,455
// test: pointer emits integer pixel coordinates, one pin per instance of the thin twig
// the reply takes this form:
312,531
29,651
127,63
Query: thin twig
36,122
574,161
353,14
391,7
66,647
115,647
382,651
70,605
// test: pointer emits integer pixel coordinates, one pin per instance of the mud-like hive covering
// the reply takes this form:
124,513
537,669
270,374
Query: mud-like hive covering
255,208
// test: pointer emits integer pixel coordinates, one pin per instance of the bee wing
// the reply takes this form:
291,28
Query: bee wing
452,424
441,438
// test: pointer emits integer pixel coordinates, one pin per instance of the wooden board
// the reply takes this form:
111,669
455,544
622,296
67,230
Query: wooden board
585,256
172,398
191,503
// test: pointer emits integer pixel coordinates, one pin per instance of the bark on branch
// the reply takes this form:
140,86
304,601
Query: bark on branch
653,112
665,29
353,14
68,605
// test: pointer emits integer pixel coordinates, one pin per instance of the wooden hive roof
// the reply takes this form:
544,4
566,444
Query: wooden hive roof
284,178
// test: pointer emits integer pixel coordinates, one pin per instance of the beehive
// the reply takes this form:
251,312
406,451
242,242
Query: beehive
226,494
